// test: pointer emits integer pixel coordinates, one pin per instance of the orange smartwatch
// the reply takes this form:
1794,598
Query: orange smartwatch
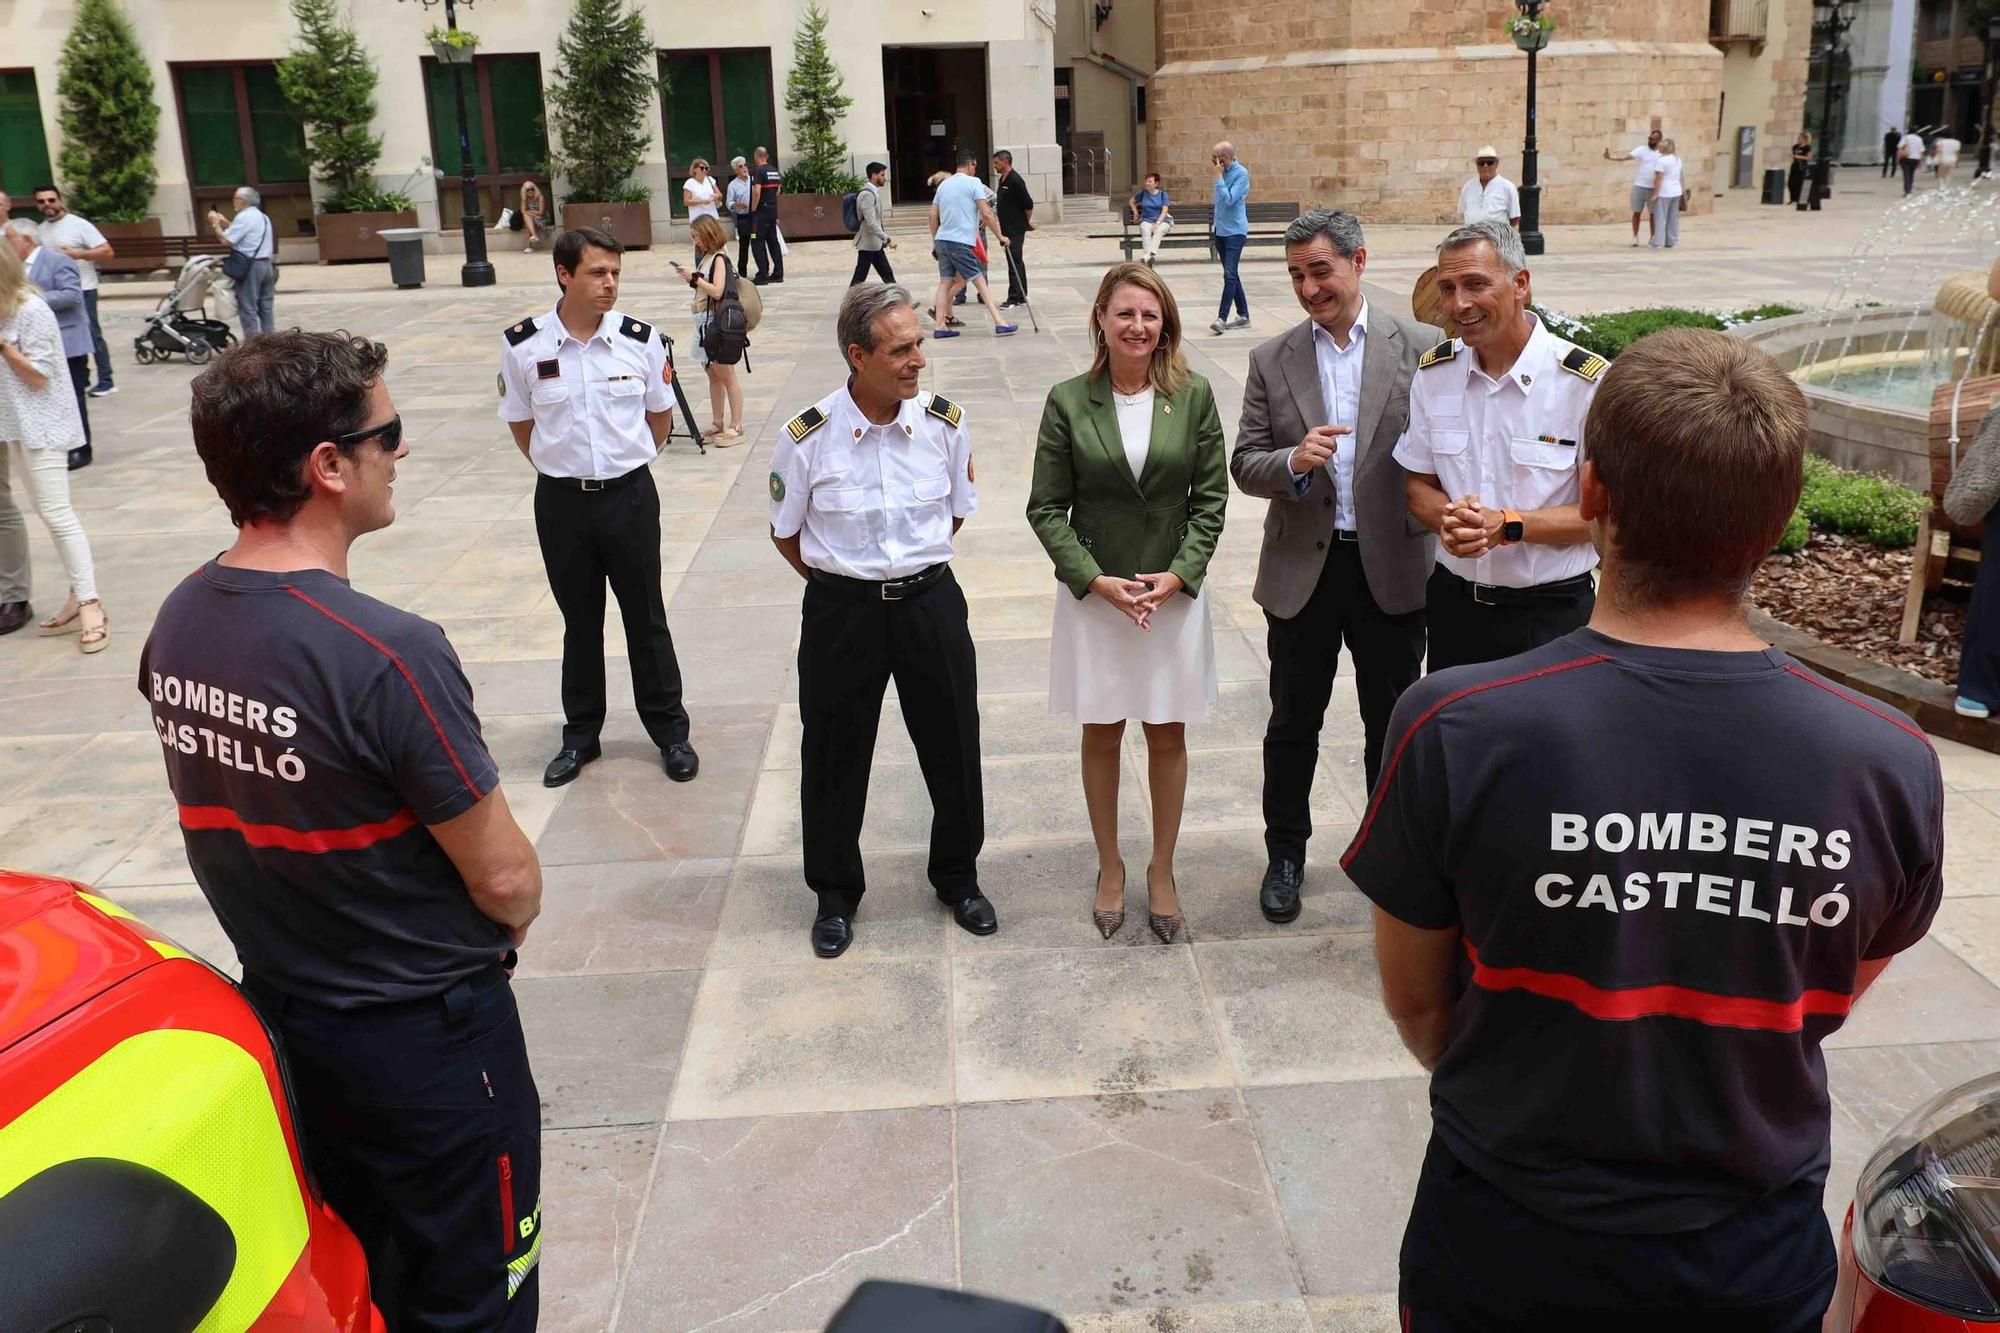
1511,528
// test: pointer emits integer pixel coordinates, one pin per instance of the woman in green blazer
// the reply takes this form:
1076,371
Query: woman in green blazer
1129,486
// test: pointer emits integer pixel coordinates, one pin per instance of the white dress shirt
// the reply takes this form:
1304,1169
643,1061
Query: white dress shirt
1496,199
1340,393
588,399
1516,442
869,501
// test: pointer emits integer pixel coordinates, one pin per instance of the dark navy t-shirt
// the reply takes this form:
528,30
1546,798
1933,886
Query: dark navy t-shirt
1667,866
311,733
771,179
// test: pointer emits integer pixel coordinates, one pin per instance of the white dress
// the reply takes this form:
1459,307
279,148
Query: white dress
1104,668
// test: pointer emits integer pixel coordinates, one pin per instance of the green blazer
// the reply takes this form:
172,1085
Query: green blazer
1094,517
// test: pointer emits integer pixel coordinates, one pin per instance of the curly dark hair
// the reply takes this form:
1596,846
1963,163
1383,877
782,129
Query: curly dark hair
264,405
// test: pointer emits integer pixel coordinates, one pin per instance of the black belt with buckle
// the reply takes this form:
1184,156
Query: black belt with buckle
883,590
593,483
1562,590
1346,535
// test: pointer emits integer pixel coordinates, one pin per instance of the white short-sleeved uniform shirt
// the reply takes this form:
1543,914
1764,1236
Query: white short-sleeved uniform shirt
588,400
1496,199
71,230
1643,171
869,501
1516,442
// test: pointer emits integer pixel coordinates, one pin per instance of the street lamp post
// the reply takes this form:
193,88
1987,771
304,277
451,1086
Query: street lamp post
477,271
1831,20
1531,190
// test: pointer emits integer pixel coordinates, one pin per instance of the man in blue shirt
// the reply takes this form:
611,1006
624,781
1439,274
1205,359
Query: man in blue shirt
1232,229
958,210
251,235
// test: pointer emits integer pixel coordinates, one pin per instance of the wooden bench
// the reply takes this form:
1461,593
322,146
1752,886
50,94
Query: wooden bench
160,250
1941,544
1267,226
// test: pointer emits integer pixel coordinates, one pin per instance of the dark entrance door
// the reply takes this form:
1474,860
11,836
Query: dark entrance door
936,107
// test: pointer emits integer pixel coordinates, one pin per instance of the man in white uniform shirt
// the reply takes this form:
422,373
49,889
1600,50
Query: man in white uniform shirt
588,395
868,487
1643,157
1493,452
1489,194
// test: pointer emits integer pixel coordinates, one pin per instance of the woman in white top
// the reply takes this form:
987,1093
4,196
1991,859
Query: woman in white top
1667,197
701,193
39,425
1130,476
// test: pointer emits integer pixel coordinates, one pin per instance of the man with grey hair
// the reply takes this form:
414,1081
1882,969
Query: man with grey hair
1494,451
251,235
868,488
737,199
1323,404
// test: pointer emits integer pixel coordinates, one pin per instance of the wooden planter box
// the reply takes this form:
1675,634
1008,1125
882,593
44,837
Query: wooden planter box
630,224
811,217
350,236
115,232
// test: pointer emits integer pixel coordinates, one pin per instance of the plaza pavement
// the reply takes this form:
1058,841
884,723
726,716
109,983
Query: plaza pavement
1221,1134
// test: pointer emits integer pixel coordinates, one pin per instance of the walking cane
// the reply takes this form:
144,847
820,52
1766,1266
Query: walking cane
1020,277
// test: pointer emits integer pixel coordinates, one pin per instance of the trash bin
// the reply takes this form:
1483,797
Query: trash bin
1774,186
406,255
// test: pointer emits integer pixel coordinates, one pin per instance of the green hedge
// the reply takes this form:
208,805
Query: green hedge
1856,504
1610,333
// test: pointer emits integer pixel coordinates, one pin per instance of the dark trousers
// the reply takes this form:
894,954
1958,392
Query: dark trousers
79,383
590,538
878,260
421,1123
1795,182
97,337
1474,1261
1388,653
1888,161
764,245
1465,627
850,648
1909,166
745,227
1229,249
1016,260
1979,658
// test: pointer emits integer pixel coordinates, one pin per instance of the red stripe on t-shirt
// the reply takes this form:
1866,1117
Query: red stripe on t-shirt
1891,718
209,818
1389,769
1665,1001
415,689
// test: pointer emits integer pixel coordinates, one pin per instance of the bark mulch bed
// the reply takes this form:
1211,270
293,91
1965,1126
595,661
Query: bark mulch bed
1850,594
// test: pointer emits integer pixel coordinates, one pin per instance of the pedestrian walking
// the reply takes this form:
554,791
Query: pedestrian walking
1909,152
1489,194
587,393
254,244
959,216
871,239
737,199
346,823
1493,451
1890,138
1231,229
868,488
1666,203
64,231
1015,208
1944,157
1152,209
710,280
1323,407
1627,885
765,183
1127,644
1642,158
1795,180
61,285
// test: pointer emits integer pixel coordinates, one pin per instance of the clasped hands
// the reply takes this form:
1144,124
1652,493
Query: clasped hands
1470,529
1138,596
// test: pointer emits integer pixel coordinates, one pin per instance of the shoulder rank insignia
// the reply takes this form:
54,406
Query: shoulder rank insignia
636,328
1438,355
1584,364
520,333
805,423
945,410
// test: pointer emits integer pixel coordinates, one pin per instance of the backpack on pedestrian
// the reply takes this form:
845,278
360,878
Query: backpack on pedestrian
727,336
850,210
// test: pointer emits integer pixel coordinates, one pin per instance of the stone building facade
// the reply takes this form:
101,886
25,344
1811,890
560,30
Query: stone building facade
1380,108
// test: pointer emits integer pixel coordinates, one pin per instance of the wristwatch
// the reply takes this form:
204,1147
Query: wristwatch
1511,527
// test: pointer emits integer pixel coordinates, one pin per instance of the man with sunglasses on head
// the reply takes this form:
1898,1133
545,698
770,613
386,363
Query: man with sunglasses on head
345,821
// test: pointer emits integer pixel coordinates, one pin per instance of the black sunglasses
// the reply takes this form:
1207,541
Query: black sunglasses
390,431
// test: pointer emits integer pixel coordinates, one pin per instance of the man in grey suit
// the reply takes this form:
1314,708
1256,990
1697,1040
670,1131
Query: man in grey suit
62,287
1342,560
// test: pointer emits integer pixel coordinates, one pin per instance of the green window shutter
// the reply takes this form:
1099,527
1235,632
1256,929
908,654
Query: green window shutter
275,126
24,149
746,102
208,108
518,127
690,114
444,120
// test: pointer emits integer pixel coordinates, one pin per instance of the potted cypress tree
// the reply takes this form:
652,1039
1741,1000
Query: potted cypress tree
809,201
110,123
602,93
330,78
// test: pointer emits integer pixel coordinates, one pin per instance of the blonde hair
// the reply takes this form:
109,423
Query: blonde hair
708,235
15,289
699,164
1168,369
938,178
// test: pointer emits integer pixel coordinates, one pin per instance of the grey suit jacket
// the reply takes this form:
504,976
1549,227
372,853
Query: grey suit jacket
872,235
1281,402
62,287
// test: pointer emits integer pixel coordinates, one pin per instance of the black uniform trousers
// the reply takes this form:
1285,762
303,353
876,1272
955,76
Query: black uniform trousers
764,244
1475,1261
1016,260
590,538
745,225
1471,623
1388,653
421,1126
851,645
1979,655
878,260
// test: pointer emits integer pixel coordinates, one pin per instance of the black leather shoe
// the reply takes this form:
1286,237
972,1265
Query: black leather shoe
562,769
13,615
681,761
79,458
975,914
832,935
1280,895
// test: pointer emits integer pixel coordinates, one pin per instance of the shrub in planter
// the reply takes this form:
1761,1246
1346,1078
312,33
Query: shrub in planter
809,200
602,94
330,78
109,115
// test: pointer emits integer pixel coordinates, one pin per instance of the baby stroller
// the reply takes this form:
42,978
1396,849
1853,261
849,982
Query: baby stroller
180,323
